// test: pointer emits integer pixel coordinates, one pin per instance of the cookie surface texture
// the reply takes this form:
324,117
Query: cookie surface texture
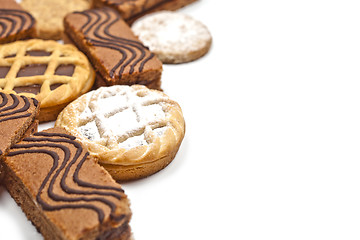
133,9
17,118
173,37
49,15
63,191
15,22
133,131
53,73
115,53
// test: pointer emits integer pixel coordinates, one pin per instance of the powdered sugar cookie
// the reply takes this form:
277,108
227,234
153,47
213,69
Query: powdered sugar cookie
133,131
173,37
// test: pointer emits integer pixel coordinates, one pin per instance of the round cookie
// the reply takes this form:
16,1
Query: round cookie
132,130
53,73
173,37
49,15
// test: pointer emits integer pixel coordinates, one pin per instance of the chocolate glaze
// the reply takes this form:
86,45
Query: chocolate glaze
97,32
16,111
34,88
32,70
4,71
37,53
14,21
65,70
43,143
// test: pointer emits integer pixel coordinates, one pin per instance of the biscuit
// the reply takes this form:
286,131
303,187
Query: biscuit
15,23
63,191
49,15
132,139
130,10
173,37
115,53
53,73
17,119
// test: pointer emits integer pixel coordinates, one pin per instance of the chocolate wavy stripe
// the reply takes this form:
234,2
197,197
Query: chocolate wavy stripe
17,19
99,26
10,115
94,193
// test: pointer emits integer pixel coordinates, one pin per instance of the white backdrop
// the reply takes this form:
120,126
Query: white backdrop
272,140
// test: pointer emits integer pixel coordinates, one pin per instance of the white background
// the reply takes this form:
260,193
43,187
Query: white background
272,130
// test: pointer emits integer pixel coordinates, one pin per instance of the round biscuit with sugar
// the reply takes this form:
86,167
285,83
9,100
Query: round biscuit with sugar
174,37
133,131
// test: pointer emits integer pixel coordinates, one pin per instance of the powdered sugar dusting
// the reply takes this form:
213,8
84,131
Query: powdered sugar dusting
171,33
124,115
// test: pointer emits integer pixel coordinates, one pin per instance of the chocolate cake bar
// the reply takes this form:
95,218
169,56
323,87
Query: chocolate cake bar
17,119
15,22
116,54
63,191
130,10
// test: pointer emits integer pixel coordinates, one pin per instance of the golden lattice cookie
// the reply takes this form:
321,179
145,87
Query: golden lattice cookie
53,73
132,130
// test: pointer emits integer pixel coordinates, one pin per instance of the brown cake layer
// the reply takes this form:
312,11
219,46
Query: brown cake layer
63,190
15,22
130,10
17,119
114,51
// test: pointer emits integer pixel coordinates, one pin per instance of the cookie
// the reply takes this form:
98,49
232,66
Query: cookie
49,14
63,191
15,22
132,139
53,73
133,9
17,119
173,37
115,53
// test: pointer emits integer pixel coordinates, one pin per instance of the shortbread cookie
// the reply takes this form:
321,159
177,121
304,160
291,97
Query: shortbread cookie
133,9
17,118
136,137
53,73
15,22
173,37
63,191
116,54
49,14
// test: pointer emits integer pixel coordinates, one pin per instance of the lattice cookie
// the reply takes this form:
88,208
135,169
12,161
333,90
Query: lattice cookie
53,73
133,131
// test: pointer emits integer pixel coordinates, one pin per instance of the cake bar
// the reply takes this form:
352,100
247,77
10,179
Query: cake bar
116,54
15,22
63,191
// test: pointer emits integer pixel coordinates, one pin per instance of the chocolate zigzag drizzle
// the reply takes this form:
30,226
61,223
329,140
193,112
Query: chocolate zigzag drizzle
14,21
98,25
16,112
89,192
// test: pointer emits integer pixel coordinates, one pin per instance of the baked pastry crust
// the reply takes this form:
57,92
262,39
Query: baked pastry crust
15,57
136,137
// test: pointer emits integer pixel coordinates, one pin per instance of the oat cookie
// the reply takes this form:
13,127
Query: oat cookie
133,131
49,14
53,73
173,37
